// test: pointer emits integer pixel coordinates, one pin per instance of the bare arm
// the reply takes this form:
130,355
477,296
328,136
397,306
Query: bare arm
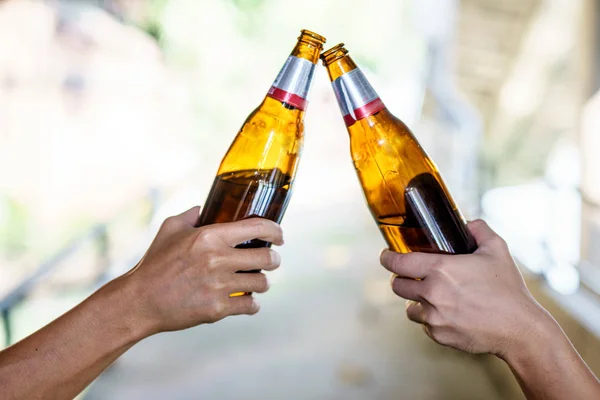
547,365
183,280
61,359
479,303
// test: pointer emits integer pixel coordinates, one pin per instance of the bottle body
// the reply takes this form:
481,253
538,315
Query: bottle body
403,188
257,173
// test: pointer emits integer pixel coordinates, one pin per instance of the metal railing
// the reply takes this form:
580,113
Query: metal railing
97,234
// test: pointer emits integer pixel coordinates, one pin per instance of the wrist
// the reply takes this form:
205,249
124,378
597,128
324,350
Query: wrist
125,304
535,335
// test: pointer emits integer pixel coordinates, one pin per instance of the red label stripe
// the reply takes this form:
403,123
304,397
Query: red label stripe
369,109
349,120
287,97
364,111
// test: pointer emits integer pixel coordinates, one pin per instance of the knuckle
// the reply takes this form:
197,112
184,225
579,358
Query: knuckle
434,320
438,295
260,224
212,259
253,306
441,319
440,263
414,311
262,284
217,311
399,287
499,243
443,261
442,298
438,275
383,256
218,285
445,302
441,270
431,293
393,261
205,236
397,261
436,334
478,223
471,345
410,316
278,229
170,223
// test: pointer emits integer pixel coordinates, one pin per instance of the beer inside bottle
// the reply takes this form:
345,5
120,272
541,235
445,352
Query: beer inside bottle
257,173
403,187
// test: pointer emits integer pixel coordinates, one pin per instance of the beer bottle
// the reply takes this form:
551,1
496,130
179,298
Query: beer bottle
257,173
403,187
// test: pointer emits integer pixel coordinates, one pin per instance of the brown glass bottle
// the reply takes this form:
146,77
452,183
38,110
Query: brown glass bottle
256,175
403,187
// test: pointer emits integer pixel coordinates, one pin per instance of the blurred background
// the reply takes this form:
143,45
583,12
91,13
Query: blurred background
114,114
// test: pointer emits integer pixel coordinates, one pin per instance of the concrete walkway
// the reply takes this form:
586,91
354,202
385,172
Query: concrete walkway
329,328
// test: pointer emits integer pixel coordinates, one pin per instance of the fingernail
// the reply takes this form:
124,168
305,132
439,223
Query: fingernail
383,255
276,257
255,305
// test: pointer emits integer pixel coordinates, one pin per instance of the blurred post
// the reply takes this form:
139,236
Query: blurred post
590,185
458,125
102,253
7,327
590,143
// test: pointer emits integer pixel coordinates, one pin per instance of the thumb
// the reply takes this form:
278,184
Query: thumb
190,216
483,234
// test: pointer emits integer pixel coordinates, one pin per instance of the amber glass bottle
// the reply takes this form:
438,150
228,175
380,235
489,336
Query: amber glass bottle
403,187
256,175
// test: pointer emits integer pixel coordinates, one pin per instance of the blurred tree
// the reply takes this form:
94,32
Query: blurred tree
14,223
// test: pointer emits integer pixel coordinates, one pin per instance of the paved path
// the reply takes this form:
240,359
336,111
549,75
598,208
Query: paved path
328,329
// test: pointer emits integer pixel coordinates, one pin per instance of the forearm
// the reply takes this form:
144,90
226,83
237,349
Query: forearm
60,360
548,367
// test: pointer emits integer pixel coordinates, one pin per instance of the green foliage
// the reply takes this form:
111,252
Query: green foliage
248,5
152,24
366,62
14,222
248,21
153,29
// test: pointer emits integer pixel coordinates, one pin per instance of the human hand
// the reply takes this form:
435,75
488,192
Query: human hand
476,303
186,276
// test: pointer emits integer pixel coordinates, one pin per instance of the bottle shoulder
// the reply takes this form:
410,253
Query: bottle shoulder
264,122
274,110
385,143
383,131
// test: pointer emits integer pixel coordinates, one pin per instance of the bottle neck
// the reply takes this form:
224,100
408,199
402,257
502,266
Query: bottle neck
295,78
355,95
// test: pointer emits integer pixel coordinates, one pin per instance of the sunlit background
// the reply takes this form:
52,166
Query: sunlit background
115,114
